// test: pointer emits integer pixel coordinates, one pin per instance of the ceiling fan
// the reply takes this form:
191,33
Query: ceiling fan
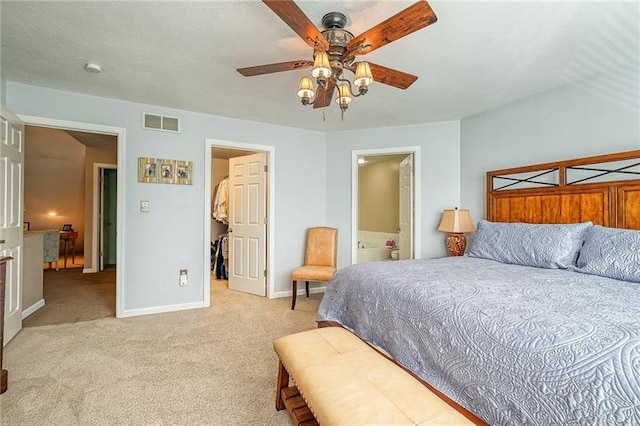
335,50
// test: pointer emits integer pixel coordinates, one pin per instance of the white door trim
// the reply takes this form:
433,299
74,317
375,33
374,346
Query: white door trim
417,203
96,222
120,133
271,202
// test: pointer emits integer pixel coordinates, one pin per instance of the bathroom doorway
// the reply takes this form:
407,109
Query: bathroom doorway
384,198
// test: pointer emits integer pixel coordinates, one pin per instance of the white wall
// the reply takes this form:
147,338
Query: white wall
440,149
3,91
565,123
171,236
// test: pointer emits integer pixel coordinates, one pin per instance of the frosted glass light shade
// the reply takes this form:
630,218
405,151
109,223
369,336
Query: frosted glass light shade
363,75
321,66
305,88
456,221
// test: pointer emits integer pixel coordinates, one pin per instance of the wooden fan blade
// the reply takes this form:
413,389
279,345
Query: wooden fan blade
413,18
293,16
392,77
324,96
280,66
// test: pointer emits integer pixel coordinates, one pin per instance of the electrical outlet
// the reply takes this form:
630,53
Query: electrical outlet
144,206
183,277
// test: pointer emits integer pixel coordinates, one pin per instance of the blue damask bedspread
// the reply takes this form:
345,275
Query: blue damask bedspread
515,345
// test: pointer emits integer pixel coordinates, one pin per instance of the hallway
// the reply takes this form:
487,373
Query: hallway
71,296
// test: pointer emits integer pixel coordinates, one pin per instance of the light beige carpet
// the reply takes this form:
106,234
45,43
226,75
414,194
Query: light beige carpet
212,366
71,296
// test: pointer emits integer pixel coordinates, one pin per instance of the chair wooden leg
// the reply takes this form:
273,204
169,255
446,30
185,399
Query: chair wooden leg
294,294
283,382
307,282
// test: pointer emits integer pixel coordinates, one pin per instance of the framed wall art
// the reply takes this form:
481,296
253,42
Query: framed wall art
183,172
147,170
166,171
159,170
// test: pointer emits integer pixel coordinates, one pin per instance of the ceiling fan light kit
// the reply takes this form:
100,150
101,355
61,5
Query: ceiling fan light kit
335,50
305,90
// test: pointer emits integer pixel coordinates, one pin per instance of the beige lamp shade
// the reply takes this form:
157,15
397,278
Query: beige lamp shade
305,88
344,94
363,75
456,221
321,66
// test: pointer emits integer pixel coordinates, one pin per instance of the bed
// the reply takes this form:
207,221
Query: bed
540,323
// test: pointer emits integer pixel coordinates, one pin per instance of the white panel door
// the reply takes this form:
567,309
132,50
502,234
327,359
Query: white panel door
406,208
11,190
247,224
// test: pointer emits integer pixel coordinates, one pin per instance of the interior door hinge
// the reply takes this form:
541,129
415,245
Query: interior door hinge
265,273
266,168
266,220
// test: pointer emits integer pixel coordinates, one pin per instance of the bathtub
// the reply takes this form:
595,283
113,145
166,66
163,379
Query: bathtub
369,254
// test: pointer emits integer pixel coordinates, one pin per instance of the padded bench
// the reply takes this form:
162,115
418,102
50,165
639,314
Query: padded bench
341,380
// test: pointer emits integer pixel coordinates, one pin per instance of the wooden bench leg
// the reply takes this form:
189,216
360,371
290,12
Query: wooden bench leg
295,293
283,382
307,283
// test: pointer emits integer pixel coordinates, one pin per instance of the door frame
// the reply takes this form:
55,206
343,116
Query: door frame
417,203
271,202
97,192
120,134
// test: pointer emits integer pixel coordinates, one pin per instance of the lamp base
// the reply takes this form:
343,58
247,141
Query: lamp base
456,244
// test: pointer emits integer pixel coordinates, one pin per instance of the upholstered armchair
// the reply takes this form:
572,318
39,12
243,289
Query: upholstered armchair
320,258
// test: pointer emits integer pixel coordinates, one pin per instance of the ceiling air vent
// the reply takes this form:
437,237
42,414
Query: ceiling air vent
160,122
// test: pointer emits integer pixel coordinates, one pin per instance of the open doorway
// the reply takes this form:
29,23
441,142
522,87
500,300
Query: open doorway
385,195
60,195
244,230
106,215
239,212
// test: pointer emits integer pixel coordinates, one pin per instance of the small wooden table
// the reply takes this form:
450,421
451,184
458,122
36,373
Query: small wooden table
69,238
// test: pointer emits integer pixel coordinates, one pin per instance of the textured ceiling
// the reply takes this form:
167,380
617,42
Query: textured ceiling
479,55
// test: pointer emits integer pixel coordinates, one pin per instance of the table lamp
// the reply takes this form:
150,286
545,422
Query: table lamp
456,222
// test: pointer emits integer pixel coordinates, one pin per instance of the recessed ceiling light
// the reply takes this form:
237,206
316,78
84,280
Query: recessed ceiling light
94,68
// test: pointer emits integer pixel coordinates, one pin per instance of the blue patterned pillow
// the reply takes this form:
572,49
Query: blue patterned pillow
542,246
612,253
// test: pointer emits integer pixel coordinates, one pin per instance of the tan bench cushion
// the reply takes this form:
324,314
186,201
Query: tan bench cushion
346,382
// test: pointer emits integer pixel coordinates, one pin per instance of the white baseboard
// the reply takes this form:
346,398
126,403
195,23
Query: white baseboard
301,291
89,271
162,309
31,309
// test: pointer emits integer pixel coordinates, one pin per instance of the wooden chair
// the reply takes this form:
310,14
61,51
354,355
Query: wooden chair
320,258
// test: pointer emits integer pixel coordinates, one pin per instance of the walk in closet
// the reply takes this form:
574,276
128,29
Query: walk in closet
238,246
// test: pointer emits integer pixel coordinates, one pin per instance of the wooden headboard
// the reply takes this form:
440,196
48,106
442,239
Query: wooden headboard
604,189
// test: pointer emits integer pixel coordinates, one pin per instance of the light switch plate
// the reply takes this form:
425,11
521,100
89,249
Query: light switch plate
144,206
